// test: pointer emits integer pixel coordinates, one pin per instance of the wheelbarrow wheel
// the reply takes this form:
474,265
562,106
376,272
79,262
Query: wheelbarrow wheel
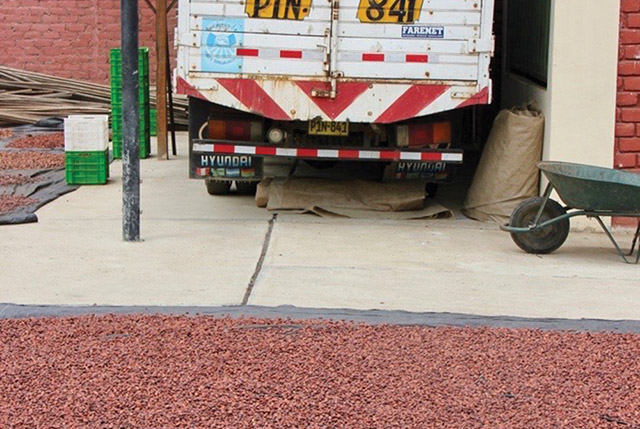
541,241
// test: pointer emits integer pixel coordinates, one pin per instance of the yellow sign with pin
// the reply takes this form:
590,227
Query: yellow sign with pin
278,9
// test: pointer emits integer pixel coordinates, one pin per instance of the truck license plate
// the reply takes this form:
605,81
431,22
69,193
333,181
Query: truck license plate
328,128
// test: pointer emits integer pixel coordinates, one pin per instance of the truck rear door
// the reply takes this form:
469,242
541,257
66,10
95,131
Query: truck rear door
339,60
259,37
408,39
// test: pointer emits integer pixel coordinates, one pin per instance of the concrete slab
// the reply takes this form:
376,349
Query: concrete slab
203,251
452,266
197,249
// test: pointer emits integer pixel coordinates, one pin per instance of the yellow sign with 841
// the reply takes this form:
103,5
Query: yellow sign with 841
389,11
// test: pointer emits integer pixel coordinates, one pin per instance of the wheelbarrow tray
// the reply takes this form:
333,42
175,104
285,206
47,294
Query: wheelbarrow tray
594,189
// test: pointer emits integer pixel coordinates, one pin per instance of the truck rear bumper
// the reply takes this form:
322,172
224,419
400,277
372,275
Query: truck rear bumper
209,155
220,147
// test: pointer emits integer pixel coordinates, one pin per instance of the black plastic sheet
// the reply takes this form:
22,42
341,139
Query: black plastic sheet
41,186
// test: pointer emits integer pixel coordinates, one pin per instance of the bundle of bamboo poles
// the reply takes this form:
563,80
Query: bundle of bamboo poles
26,97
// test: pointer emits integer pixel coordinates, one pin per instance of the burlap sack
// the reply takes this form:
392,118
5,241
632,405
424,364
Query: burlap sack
507,173
349,198
262,192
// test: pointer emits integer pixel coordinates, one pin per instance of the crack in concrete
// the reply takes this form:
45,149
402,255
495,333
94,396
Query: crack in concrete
263,255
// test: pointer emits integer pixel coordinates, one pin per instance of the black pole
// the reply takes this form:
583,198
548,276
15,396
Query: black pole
171,111
130,122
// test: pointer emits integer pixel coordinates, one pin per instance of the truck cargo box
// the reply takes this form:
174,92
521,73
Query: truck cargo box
361,61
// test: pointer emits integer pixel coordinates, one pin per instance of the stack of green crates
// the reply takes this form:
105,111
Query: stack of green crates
116,102
86,147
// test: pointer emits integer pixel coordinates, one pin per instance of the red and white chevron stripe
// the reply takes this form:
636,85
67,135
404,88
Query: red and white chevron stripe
353,154
356,101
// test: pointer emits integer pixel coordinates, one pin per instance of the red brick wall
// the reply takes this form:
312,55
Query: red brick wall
69,38
627,144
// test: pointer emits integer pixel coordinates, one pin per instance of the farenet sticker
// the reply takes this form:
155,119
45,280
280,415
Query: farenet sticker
423,31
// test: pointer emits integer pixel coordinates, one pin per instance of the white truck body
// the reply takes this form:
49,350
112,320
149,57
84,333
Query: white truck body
361,61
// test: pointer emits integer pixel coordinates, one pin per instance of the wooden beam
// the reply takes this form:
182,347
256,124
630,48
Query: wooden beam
161,76
148,2
172,5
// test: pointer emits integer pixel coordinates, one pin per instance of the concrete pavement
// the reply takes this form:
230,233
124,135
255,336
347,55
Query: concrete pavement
442,266
200,250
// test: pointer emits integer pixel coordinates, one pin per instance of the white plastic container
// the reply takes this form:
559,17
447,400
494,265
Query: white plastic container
86,133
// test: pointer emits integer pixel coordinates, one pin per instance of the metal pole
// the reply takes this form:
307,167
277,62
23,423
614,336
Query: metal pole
172,119
130,122
161,77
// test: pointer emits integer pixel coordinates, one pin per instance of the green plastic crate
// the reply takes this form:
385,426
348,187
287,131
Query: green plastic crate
144,126
116,84
116,76
115,67
116,121
87,168
115,56
117,128
153,122
116,118
145,150
116,97
144,97
143,137
116,80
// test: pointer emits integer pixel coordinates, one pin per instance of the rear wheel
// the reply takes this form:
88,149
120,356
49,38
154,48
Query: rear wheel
217,187
541,241
432,189
247,188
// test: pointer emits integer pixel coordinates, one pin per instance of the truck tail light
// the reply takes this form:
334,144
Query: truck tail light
235,130
435,134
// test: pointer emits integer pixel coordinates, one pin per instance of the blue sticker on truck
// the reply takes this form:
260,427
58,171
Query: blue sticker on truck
423,31
220,39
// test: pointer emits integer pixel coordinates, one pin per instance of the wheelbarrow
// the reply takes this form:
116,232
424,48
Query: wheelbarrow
540,225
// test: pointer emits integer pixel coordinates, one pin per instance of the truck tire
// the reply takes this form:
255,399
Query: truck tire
247,188
545,240
217,187
432,189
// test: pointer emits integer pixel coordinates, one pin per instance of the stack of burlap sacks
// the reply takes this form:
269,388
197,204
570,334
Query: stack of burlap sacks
507,173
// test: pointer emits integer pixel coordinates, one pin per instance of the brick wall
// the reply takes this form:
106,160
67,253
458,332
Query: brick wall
69,38
627,144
